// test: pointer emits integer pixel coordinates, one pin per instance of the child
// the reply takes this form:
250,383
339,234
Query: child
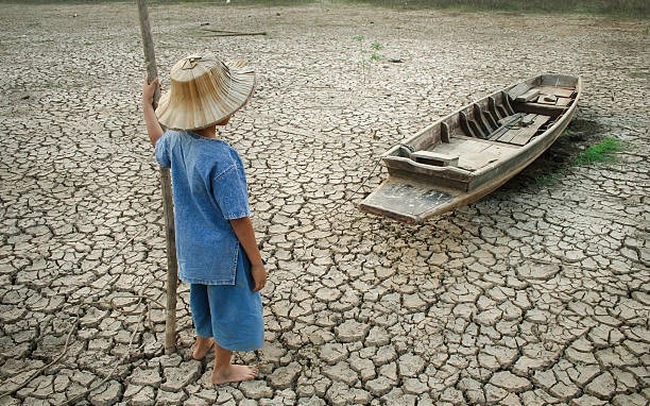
216,247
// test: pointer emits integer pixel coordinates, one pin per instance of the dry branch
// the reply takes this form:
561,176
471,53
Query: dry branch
222,33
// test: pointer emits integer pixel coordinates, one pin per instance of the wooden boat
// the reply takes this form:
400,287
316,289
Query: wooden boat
474,150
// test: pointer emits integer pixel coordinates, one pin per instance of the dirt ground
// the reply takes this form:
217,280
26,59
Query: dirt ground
537,294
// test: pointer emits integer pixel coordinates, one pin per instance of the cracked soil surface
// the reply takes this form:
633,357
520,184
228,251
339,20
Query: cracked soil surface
537,294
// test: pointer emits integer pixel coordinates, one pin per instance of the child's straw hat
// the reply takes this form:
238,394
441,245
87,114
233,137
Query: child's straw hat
204,91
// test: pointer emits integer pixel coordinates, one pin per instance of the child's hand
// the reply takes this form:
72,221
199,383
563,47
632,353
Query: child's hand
148,91
259,276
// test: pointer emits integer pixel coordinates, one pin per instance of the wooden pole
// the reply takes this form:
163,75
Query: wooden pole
166,185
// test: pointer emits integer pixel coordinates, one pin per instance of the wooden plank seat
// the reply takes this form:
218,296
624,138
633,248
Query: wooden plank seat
528,96
549,102
505,124
521,133
542,109
553,100
546,99
518,129
434,158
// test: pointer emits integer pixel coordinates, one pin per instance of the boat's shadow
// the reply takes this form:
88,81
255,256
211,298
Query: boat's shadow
555,161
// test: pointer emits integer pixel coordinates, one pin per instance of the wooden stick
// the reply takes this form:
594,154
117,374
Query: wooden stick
165,180
222,33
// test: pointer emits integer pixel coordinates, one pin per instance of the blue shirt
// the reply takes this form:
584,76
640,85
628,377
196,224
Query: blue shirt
209,189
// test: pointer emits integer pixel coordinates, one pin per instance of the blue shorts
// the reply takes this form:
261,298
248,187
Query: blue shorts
232,314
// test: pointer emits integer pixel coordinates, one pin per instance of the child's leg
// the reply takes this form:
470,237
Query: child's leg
237,324
224,371
200,309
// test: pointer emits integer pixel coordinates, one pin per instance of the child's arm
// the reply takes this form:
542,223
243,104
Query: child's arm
154,129
245,233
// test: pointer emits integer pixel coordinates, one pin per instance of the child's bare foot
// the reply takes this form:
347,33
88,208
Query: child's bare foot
201,347
233,373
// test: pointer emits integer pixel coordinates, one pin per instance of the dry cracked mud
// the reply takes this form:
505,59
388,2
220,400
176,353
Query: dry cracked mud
537,294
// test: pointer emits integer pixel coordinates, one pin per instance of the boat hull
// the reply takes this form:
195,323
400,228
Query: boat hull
447,165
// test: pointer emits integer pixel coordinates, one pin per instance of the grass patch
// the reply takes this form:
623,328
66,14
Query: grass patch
604,151
545,179
572,150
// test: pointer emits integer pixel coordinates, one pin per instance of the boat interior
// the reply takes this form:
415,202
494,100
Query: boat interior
491,129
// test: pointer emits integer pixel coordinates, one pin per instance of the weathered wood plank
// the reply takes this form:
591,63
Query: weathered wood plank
520,136
478,117
557,91
474,153
547,99
518,90
444,132
505,124
563,101
469,127
528,96
506,104
434,158
543,109
498,112
405,199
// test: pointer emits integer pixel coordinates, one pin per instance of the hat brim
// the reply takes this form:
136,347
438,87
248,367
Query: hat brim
207,100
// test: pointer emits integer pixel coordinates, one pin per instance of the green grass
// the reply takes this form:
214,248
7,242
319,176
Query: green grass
545,179
604,151
374,49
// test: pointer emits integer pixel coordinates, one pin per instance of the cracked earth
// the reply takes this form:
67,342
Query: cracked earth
538,294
